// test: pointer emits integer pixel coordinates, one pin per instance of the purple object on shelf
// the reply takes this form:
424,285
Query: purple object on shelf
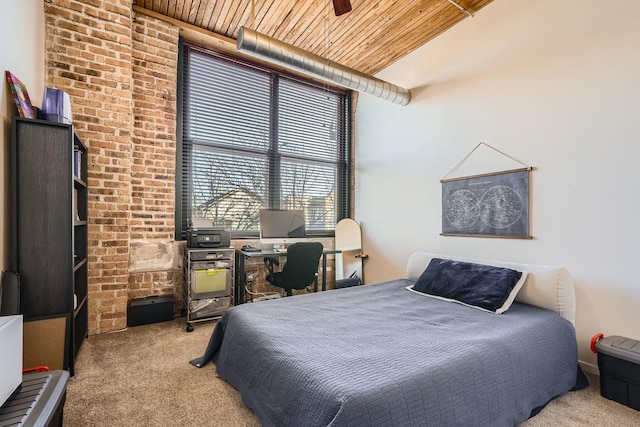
56,106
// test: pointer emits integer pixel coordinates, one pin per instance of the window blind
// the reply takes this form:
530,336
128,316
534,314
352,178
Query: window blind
253,138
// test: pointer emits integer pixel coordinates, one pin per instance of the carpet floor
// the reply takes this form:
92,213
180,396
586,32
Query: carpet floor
142,377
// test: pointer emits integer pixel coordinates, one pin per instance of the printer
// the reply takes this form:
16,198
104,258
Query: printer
203,235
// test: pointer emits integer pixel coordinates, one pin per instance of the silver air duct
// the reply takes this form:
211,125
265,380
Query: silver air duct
269,49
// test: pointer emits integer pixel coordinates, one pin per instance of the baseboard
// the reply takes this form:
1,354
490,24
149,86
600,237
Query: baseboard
589,368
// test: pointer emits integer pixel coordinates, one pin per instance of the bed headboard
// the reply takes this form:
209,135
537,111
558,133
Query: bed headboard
546,286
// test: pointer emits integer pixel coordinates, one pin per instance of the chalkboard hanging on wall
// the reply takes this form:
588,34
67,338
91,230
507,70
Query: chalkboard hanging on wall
494,204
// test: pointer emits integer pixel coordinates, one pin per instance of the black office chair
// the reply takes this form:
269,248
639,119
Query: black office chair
301,268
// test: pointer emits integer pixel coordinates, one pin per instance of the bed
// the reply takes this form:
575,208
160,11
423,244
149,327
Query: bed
387,355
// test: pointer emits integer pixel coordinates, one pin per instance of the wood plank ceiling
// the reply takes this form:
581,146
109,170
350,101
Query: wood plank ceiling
369,38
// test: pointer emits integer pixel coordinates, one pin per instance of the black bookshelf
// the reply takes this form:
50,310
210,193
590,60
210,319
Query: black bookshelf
49,228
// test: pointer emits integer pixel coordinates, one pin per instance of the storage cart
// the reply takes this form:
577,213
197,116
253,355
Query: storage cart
208,283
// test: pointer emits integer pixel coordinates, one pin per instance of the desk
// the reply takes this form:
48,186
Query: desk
241,279
39,402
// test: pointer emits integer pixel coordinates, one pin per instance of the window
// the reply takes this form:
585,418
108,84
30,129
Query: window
253,138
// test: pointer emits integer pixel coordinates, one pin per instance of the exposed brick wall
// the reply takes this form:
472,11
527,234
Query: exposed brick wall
119,71
88,55
155,61
157,283
153,157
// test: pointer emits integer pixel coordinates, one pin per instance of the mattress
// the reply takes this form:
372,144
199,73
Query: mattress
379,355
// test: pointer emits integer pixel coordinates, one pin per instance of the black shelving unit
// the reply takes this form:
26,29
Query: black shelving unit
49,234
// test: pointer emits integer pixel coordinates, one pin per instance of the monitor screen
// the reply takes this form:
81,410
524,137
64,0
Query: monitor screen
281,225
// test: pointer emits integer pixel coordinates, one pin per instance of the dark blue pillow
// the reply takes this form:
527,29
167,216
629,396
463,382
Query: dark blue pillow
478,285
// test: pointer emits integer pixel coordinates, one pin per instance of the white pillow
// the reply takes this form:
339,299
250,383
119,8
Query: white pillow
547,286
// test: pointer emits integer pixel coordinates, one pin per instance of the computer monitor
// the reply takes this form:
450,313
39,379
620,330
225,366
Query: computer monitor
282,226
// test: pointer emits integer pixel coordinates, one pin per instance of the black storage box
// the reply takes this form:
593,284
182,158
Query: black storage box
151,309
619,363
348,282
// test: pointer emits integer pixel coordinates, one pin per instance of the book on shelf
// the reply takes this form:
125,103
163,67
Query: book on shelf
76,215
77,163
20,96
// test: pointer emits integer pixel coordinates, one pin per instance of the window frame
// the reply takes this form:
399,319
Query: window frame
343,161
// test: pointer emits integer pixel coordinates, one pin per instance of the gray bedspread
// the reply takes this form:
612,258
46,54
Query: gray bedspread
379,355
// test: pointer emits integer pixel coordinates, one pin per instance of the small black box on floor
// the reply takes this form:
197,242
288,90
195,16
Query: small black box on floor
619,363
348,282
151,309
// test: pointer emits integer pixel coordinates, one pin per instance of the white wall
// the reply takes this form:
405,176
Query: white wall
22,53
555,85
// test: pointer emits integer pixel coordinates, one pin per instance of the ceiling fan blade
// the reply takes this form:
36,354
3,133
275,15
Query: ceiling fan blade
341,7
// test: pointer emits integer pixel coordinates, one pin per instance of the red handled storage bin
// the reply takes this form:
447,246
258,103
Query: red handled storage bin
619,363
